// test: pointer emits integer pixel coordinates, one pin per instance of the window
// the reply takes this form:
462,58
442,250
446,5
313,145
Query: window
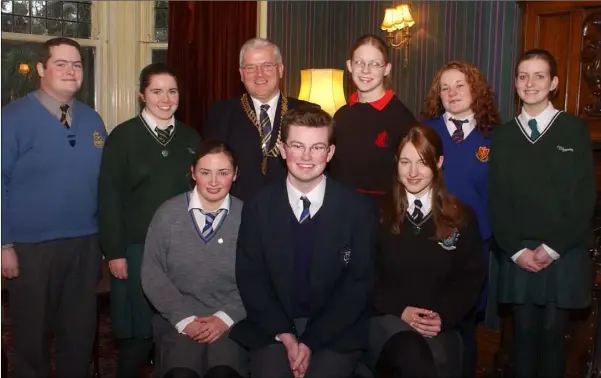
26,25
19,74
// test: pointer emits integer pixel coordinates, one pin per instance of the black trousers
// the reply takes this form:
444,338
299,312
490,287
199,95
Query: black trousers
539,340
55,293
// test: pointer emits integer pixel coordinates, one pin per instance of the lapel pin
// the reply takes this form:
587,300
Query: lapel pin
220,241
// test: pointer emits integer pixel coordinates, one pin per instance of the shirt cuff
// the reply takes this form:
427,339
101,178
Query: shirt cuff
277,338
518,254
229,322
184,323
554,255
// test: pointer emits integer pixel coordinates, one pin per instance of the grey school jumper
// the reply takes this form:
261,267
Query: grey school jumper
183,276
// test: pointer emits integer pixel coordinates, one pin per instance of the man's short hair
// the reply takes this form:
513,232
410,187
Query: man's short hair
258,43
45,52
307,116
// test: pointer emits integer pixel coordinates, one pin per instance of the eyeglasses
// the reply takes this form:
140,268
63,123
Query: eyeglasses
266,67
319,149
374,64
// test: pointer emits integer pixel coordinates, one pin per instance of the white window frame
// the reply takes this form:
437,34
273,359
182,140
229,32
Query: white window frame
148,41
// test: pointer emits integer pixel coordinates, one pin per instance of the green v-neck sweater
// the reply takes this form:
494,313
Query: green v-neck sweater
137,175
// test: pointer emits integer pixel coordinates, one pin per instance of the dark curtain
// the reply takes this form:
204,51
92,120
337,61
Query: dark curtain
204,45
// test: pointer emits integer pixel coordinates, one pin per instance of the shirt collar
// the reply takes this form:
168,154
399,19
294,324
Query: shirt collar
152,123
315,196
52,104
273,103
426,199
447,116
543,118
379,104
196,204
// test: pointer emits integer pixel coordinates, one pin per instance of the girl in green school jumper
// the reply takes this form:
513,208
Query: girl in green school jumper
146,161
541,197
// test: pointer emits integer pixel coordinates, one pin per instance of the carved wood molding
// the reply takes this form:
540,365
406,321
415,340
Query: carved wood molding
591,60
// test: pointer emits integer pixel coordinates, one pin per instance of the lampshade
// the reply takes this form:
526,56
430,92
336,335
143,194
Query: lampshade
403,17
389,20
323,87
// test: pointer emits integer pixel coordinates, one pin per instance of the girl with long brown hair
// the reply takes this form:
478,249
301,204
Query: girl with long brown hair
429,265
461,108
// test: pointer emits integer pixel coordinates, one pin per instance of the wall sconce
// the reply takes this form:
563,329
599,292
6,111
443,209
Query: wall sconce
23,68
323,87
396,23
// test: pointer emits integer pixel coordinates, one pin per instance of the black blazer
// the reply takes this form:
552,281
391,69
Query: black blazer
340,292
228,123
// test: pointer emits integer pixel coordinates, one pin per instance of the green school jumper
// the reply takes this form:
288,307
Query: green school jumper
543,191
138,173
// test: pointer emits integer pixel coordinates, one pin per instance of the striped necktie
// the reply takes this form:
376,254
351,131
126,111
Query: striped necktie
64,120
265,128
163,135
305,213
534,133
208,231
458,133
417,215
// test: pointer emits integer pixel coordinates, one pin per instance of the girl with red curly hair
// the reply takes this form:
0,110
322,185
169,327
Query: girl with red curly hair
461,108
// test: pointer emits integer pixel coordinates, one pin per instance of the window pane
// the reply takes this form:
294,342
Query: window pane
19,75
161,20
159,56
44,17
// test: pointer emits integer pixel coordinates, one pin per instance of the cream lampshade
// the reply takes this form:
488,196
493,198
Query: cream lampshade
323,87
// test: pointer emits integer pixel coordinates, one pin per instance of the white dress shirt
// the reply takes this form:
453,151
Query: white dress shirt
315,196
426,199
152,123
467,127
273,107
543,121
195,206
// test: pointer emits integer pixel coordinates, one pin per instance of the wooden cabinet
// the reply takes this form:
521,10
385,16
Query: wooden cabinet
558,26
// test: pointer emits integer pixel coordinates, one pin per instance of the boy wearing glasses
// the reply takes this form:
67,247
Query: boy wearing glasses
250,124
303,263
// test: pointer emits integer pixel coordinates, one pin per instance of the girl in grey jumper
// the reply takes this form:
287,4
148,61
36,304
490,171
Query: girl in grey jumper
188,273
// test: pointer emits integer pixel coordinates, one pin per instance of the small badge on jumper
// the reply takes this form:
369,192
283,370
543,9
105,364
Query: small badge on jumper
345,256
450,243
220,241
165,153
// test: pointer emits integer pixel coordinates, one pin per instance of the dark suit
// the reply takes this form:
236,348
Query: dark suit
339,292
228,123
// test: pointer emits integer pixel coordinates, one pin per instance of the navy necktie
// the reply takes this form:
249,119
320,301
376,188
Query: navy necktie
163,135
417,215
265,128
208,231
305,214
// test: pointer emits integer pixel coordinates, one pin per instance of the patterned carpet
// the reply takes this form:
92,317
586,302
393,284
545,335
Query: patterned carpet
107,350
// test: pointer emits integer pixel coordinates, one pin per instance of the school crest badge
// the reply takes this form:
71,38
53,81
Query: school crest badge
98,139
482,154
450,243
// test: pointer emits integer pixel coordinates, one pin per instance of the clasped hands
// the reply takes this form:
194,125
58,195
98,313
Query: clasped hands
426,322
534,260
299,355
206,329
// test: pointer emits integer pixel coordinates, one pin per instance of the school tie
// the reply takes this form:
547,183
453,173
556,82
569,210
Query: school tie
458,133
208,231
417,215
265,128
163,135
305,214
64,121
534,134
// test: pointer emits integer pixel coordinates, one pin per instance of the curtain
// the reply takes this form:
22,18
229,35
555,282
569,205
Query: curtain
204,45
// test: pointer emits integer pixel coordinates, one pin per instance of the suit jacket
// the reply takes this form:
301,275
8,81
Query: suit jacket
228,123
340,270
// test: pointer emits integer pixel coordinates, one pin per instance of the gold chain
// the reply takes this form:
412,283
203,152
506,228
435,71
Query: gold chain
250,113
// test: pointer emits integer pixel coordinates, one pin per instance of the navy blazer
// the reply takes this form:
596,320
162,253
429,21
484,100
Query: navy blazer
340,282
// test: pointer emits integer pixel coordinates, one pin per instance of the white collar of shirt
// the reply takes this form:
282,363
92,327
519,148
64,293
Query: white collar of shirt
467,128
273,106
426,202
199,217
542,120
315,196
150,121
